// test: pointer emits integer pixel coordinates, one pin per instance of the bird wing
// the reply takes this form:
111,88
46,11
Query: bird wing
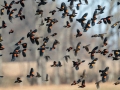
85,15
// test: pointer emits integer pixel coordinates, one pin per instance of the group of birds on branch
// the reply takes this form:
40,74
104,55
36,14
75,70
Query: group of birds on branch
50,22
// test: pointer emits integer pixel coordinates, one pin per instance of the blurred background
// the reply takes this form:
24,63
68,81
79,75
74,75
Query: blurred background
66,36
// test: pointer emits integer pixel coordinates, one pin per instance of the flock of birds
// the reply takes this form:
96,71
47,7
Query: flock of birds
50,22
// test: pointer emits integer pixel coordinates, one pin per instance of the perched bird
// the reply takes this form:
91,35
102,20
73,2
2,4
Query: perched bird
98,84
31,74
47,57
18,80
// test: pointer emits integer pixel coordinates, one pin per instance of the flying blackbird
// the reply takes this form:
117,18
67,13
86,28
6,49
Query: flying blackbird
94,18
86,47
67,25
21,3
38,75
82,19
47,57
98,84
11,31
66,57
42,50
83,84
20,41
42,2
78,33
77,49
2,11
11,14
63,6
3,25
46,77
91,64
31,74
53,12
69,49
105,42
54,45
115,24
18,80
